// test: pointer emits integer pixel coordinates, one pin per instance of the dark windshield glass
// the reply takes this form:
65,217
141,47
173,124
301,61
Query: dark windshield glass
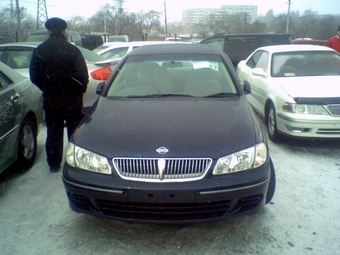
190,75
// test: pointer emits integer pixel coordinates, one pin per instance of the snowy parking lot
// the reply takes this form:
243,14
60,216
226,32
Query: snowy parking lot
303,217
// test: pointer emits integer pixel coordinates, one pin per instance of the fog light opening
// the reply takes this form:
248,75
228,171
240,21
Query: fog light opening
297,129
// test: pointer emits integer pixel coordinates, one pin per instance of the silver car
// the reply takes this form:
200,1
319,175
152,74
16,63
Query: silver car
117,50
21,116
18,56
295,88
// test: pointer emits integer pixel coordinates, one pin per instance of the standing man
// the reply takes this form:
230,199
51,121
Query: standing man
334,42
58,68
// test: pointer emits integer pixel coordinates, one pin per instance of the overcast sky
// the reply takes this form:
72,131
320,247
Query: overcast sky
68,8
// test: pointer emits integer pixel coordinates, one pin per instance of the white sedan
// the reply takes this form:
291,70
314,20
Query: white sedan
295,88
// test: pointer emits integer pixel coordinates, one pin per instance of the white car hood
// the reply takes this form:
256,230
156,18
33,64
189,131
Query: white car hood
312,86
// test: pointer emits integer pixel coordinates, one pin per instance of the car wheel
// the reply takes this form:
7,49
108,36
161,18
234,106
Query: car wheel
272,183
271,124
27,149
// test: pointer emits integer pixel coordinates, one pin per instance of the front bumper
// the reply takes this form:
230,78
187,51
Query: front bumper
207,199
302,126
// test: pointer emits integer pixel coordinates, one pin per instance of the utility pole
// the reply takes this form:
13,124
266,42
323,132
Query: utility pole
18,21
288,16
41,13
165,20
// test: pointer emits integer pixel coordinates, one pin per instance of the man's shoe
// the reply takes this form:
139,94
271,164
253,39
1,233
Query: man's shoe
54,169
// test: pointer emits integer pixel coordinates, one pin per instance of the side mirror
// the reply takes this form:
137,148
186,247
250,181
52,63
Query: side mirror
246,88
258,72
100,87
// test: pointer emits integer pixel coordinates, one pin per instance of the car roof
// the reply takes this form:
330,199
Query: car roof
134,43
294,47
247,35
173,48
27,44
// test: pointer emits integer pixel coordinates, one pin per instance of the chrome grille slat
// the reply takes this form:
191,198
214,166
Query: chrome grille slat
176,169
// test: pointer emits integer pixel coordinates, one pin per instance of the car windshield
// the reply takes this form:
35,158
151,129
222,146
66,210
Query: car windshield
100,48
305,63
39,37
173,75
90,55
115,53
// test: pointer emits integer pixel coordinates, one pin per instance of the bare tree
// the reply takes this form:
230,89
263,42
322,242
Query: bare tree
145,22
9,24
78,23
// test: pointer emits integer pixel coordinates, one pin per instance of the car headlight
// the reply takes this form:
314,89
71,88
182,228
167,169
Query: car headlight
86,160
243,160
305,109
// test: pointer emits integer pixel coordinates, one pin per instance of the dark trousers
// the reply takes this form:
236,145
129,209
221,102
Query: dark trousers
55,123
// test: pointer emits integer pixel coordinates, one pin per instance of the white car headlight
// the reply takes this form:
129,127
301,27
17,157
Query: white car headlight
243,160
86,160
305,109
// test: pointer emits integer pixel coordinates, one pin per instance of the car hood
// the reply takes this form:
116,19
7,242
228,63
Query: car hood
187,128
310,87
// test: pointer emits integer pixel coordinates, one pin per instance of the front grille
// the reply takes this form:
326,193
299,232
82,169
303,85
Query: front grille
164,212
334,109
328,131
162,170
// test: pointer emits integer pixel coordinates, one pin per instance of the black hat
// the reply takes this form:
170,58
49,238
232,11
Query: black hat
339,28
55,24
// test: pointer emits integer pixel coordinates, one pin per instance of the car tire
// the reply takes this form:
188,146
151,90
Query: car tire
272,183
27,148
272,124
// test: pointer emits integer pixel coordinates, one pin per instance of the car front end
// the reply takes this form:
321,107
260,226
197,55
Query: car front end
149,172
177,149
307,110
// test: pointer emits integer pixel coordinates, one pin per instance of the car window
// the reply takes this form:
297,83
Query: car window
217,42
39,37
100,48
90,55
305,63
17,59
263,61
252,61
176,75
115,53
4,81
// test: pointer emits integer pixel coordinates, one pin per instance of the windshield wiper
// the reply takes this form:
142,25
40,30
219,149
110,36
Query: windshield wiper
158,96
223,95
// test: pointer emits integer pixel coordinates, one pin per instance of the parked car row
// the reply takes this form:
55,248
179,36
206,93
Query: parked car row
171,134
21,112
18,56
117,50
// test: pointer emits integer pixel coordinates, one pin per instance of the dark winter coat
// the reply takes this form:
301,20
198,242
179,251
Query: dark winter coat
58,68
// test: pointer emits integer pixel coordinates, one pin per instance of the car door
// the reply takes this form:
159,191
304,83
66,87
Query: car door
10,117
258,85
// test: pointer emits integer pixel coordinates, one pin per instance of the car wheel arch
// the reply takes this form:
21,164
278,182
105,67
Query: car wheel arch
266,109
27,142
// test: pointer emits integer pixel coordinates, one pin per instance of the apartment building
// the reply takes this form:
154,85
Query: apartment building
199,16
